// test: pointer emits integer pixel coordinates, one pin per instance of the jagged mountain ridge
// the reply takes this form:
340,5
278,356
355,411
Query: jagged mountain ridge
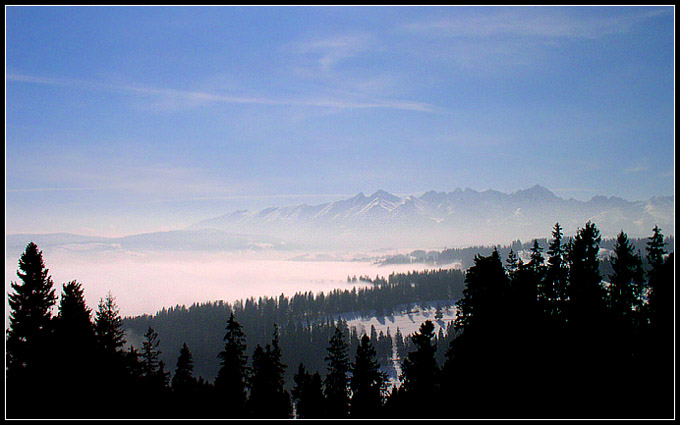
440,218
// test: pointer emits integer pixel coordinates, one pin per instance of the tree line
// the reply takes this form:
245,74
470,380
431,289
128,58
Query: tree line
306,321
546,338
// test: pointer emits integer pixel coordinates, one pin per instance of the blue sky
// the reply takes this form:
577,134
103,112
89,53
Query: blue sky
121,120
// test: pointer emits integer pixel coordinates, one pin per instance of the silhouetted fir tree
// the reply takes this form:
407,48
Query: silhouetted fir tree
367,383
75,350
625,283
231,380
536,264
557,274
420,373
511,263
183,380
655,259
658,353
153,370
150,353
587,322
526,290
268,398
337,377
29,341
113,367
259,383
301,379
586,295
30,326
281,403
188,394
483,300
399,344
109,326
485,325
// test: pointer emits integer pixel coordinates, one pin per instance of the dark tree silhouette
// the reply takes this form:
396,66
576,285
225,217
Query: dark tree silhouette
625,283
367,383
183,380
74,349
301,379
512,263
109,326
29,330
485,294
28,349
586,295
151,353
231,380
659,299
555,285
268,398
420,372
337,378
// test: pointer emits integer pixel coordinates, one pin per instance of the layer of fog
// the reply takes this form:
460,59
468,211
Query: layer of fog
145,282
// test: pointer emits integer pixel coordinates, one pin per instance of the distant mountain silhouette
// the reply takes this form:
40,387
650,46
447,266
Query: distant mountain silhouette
441,218
382,220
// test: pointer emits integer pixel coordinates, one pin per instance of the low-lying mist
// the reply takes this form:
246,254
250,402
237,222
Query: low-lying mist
145,282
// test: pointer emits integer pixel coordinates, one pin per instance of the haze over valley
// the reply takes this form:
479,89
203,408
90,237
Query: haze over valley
314,248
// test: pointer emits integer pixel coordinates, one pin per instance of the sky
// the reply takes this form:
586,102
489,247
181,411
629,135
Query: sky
122,120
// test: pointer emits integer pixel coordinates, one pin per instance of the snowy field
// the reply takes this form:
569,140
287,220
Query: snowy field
408,322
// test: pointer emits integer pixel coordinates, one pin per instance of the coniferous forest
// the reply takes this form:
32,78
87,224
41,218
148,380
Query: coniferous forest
557,336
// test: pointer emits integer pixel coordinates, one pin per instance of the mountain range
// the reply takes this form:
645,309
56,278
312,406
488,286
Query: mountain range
434,219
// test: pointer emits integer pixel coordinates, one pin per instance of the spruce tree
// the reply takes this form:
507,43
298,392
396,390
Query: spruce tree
30,326
75,348
586,296
109,326
625,283
301,379
73,324
557,273
512,263
231,380
484,298
153,368
113,364
420,370
367,382
659,301
183,380
268,398
337,378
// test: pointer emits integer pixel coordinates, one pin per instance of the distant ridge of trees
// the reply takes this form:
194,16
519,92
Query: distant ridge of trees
545,338
466,256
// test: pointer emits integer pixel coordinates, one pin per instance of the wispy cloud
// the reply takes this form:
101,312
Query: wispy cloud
636,169
328,52
533,22
177,99
639,167
54,189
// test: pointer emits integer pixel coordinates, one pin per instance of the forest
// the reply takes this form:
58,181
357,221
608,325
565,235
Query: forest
557,336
